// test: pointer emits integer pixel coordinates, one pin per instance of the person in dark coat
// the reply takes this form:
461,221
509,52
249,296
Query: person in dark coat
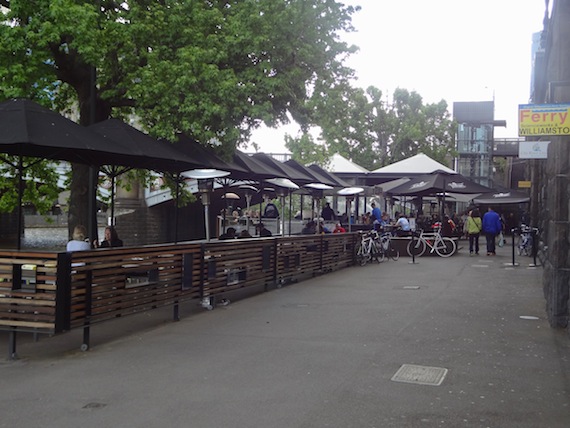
263,231
327,212
111,239
492,226
230,234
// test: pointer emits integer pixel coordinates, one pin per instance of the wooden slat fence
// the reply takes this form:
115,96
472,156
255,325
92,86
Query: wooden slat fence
55,292
28,291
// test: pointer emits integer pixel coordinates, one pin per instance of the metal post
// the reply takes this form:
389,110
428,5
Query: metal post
88,310
413,254
12,345
534,246
206,218
513,245
176,312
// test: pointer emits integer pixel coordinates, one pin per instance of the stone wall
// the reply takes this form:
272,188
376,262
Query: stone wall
551,191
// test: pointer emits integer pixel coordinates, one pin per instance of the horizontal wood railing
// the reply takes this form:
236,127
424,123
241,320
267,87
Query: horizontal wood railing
55,292
28,291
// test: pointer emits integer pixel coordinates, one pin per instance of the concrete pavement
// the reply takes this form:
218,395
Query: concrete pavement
319,353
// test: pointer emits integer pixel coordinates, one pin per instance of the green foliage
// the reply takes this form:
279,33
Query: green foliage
305,150
372,132
214,70
39,184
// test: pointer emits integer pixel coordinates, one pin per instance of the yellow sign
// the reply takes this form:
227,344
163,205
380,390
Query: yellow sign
524,184
544,119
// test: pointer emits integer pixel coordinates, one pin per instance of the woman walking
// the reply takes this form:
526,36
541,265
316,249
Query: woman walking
474,225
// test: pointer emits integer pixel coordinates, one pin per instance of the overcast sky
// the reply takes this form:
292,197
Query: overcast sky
456,50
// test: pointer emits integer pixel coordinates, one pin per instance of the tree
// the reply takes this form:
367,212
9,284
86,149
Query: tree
212,69
306,150
362,126
39,180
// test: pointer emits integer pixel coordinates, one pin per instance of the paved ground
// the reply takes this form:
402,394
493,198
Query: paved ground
320,353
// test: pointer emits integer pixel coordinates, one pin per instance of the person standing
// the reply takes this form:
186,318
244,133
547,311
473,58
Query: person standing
271,210
473,226
376,216
327,212
492,226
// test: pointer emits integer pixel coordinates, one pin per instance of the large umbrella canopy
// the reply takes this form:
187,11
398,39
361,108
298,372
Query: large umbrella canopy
206,157
292,174
29,129
431,184
501,198
256,170
317,178
338,182
147,152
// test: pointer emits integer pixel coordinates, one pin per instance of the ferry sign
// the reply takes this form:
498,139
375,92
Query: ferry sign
544,119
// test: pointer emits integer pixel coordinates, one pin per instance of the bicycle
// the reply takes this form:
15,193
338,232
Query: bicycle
524,241
368,248
387,248
441,245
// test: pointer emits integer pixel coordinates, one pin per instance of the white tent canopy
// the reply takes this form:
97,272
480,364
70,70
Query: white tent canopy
339,163
418,164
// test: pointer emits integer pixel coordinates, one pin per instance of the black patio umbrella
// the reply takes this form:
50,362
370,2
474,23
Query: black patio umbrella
338,182
31,130
317,177
431,184
207,157
501,197
438,182
147,153
292,174
256,169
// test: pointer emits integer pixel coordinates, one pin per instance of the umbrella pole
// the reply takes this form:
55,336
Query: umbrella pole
92,205
176,203
113,200
443,202
20,191
290,210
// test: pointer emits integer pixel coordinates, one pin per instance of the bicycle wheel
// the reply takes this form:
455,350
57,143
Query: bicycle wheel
416,247
445,247
520,245
393,253
359,254
527,250
377,252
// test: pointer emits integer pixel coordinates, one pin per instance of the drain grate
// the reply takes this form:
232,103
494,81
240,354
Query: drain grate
420,375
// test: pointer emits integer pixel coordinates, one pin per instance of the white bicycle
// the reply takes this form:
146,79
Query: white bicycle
441,245
369,248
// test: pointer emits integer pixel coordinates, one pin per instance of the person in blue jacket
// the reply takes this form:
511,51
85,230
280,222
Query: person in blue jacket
376,216
492,226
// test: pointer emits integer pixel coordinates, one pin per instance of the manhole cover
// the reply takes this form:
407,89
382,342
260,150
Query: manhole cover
411,287
528,317
420,375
